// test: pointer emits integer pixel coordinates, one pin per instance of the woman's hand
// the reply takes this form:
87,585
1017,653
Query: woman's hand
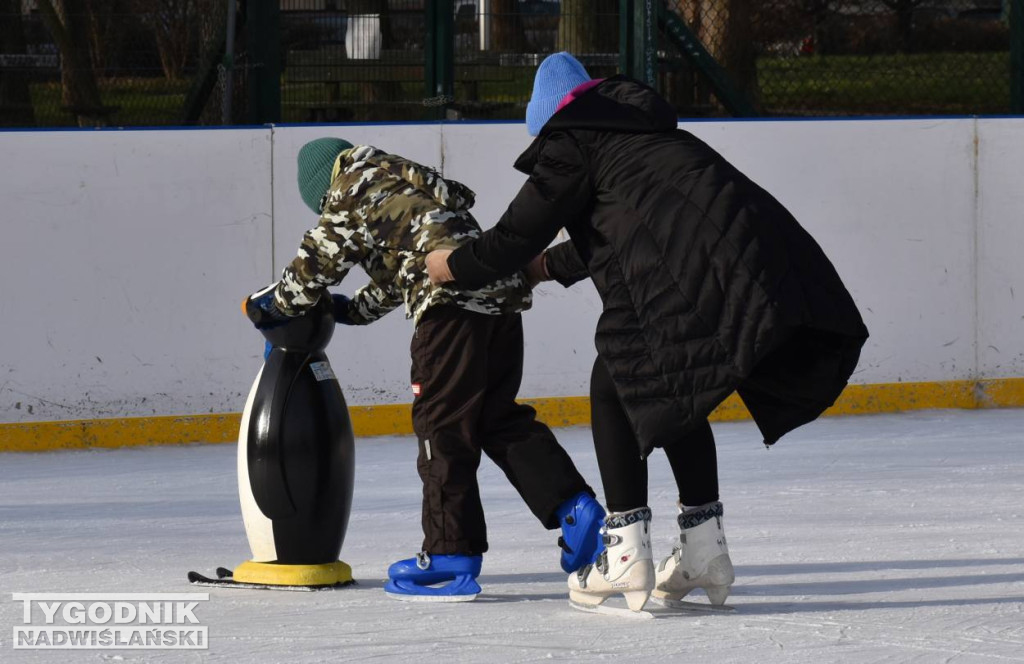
537,270
437,266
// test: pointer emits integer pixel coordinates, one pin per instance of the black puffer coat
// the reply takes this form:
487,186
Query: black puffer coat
709,284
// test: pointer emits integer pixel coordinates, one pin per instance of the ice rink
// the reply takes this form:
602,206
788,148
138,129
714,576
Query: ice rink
896,538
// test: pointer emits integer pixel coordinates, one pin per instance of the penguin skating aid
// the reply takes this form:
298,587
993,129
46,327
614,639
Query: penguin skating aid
296,465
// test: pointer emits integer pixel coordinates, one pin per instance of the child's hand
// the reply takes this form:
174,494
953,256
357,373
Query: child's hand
261,309
341,310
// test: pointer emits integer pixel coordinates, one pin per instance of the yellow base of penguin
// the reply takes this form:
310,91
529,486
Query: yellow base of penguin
275,574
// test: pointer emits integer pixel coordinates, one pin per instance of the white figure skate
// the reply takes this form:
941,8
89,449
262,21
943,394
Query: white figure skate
625,567
700,560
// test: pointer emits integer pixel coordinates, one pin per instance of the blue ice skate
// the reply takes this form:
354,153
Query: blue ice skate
417,579
581,518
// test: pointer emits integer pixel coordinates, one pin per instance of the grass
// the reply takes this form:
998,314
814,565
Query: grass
933,83
136,102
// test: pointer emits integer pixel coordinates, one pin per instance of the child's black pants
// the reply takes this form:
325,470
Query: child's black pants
466,371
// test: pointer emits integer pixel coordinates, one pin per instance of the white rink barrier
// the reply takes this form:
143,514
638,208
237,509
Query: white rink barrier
126,254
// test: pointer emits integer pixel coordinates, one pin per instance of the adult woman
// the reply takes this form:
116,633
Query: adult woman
709,286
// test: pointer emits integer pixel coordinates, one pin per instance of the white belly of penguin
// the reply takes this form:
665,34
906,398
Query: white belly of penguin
258,528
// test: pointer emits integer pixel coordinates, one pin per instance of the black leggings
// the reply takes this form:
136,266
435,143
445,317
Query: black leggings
624,474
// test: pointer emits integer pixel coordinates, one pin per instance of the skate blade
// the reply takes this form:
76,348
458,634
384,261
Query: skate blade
430,598
611,611
695,607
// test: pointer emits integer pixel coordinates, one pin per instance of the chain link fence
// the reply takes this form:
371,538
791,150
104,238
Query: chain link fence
845,57
353,61
172,62
497,51
372,60
102,62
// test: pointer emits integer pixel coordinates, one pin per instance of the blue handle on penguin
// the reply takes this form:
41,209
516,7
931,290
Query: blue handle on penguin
262,310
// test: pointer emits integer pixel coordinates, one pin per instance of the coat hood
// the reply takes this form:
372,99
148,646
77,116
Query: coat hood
448,193
618,104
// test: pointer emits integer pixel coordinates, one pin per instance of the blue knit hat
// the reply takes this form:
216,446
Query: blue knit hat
556,77
316,161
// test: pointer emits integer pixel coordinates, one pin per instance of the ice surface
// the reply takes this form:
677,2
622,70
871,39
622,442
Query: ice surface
896,538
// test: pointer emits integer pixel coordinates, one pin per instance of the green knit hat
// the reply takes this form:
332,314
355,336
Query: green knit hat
316,160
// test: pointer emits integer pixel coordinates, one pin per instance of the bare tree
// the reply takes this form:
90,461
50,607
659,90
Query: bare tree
507,26
726,28
577,27
15,96
904,20
819,13
104,30
67,22
174,29
583,25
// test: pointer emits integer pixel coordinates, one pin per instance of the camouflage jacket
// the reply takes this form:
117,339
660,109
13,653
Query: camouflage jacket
385,214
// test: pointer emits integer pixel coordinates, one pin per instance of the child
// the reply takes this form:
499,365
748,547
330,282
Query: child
385,213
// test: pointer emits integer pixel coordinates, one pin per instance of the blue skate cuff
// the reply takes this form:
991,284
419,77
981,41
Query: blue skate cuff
581,518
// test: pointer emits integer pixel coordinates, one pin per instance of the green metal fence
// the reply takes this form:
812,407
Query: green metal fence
101,62
434,59
837,57
166,62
